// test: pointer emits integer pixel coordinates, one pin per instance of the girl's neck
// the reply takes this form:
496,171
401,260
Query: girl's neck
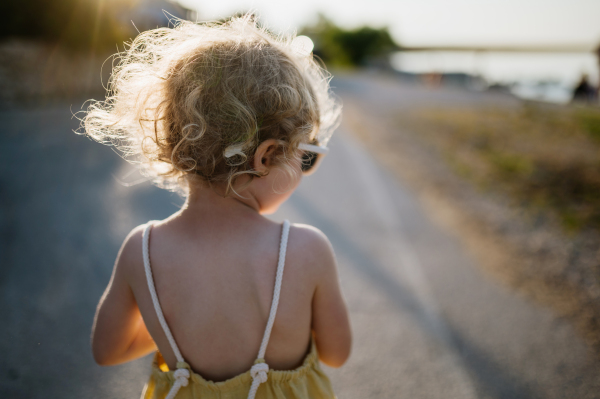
203,199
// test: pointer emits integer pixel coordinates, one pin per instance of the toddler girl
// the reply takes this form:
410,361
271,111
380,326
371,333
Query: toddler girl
232,117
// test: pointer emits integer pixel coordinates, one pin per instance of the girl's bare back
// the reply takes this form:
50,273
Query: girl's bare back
227,292
214,266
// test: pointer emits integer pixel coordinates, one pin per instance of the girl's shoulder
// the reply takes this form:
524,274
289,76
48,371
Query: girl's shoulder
310,247
132,247
308,236
130,255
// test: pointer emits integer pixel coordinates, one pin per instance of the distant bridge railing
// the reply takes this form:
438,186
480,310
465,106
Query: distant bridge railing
574,48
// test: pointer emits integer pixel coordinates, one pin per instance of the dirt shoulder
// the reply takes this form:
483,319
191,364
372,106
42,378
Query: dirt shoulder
528,245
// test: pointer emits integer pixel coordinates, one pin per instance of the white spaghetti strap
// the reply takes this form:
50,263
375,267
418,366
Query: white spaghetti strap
182,374
260,368
157,307
279,277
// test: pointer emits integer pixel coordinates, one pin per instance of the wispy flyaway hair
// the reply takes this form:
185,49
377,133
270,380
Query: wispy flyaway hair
197,99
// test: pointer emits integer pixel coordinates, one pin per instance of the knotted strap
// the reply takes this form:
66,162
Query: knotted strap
259,375
182,379
260,369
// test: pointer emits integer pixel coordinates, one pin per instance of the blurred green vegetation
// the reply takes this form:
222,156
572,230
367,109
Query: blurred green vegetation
340,47
590,122
544,157
75,24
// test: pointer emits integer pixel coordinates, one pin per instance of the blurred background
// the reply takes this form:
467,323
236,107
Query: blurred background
462,193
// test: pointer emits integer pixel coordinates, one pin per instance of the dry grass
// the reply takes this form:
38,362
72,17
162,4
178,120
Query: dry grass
543,157
546,161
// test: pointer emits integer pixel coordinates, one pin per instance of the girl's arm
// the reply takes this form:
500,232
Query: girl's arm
119,333
330,321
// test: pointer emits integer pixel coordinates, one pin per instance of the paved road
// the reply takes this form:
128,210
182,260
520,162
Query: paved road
427,323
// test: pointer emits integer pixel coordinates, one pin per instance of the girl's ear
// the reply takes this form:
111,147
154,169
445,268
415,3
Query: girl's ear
263,157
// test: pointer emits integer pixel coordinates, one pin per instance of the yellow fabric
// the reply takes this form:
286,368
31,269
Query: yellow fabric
307,381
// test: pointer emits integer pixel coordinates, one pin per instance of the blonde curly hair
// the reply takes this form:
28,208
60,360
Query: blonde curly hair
197,99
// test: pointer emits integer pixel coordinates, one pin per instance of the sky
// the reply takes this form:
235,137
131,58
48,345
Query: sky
435,22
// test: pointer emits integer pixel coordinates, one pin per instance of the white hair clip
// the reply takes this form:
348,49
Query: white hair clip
303,45
234,149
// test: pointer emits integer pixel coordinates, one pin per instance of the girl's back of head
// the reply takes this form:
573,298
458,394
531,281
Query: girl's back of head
195,101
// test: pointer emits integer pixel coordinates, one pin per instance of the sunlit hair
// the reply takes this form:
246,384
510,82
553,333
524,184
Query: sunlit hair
197,99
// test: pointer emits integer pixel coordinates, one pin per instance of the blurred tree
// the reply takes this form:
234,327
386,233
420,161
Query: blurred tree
341,47
85,24
74,23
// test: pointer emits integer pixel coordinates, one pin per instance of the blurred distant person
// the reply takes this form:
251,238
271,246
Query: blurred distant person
584,92
598,59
